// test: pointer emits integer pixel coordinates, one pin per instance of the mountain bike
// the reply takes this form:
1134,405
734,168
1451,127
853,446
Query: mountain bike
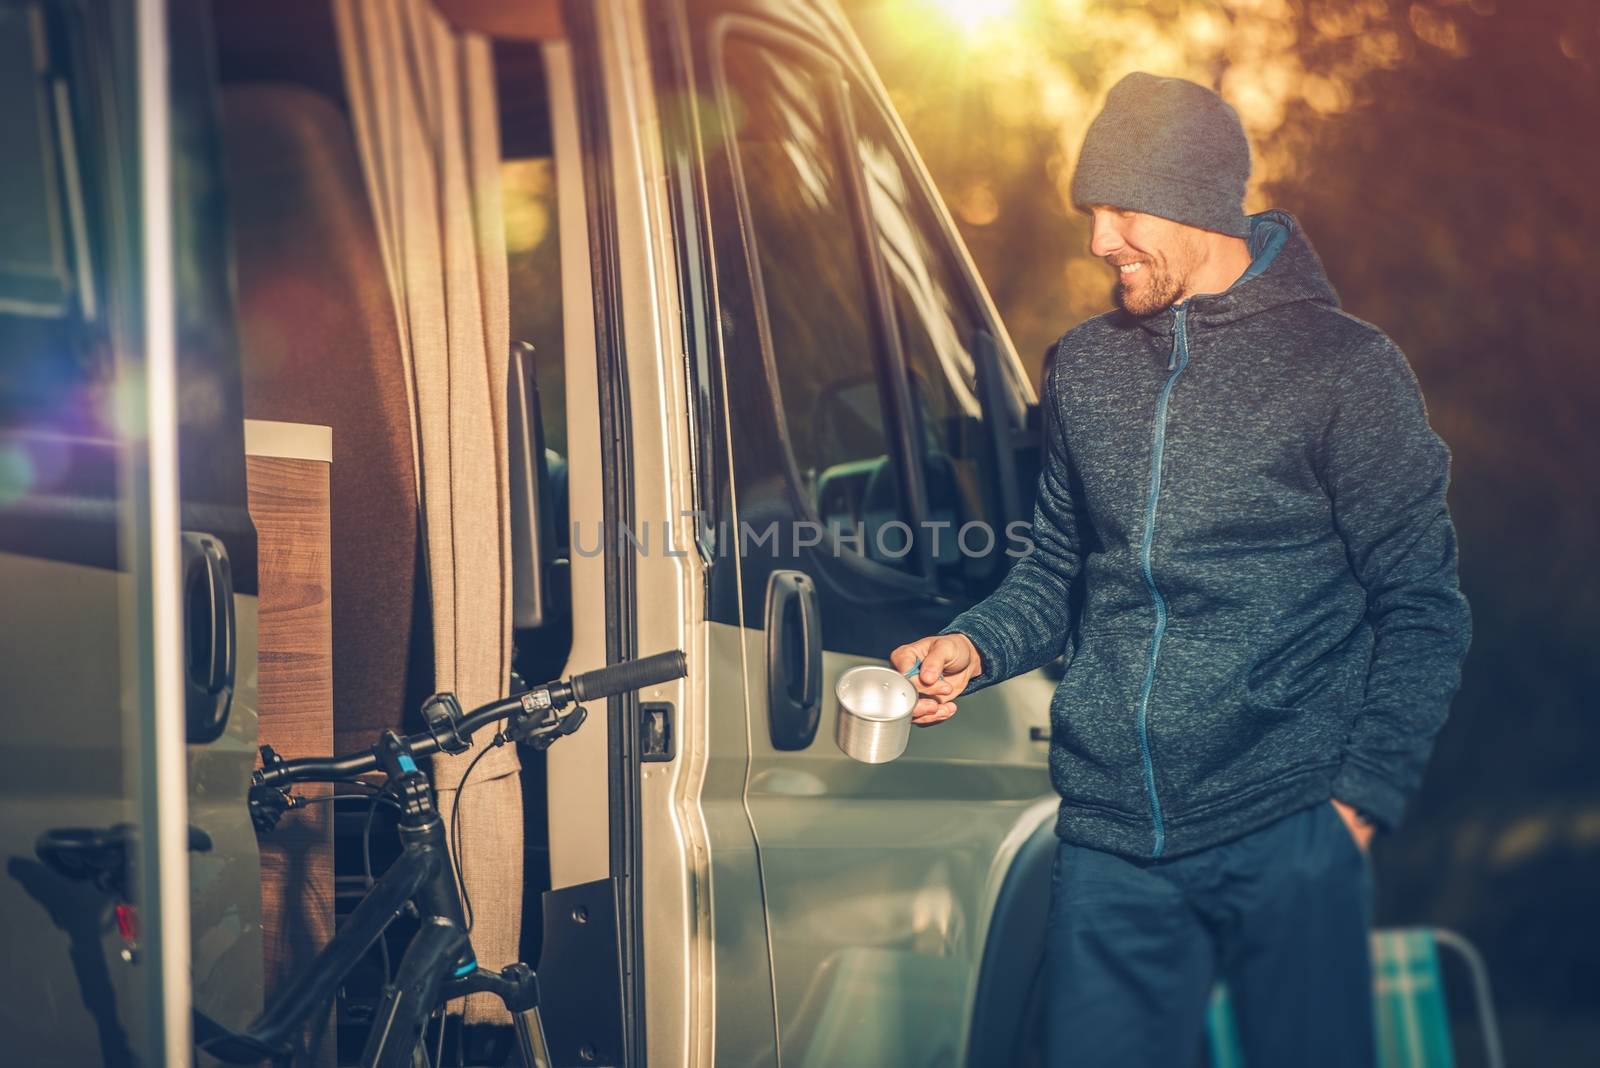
438,964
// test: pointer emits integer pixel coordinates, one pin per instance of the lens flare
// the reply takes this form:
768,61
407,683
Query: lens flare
973,14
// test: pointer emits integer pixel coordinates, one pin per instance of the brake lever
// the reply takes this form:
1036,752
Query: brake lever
541,734
267,806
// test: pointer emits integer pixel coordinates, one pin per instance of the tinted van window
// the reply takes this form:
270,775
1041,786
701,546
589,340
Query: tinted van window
936,318
812,282
54,356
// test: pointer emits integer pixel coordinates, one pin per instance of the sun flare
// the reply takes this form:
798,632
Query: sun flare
973,14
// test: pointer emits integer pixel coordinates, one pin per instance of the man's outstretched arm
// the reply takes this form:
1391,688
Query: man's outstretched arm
1024,623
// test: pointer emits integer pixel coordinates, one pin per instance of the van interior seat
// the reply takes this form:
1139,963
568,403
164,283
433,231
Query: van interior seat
319,344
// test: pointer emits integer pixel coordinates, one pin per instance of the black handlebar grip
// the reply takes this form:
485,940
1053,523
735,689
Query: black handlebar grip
630,675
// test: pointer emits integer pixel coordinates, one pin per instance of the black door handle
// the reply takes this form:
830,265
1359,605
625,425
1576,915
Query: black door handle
210,636
794,660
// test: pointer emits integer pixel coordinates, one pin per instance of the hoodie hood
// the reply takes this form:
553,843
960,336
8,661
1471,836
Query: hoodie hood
1284,269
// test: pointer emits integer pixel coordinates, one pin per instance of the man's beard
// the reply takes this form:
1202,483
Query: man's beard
1160,290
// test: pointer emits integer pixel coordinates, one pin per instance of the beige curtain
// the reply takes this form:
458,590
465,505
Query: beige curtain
427,132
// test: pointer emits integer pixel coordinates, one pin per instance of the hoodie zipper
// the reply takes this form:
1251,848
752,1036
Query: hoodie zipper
1176,362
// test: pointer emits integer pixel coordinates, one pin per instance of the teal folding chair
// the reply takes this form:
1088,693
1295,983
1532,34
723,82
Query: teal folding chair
1222,1036
1411,1017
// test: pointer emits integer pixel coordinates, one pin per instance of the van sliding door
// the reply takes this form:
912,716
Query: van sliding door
128,660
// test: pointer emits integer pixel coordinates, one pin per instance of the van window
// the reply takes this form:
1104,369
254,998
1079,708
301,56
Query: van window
34,270
936,317
538,338
55,355
811,278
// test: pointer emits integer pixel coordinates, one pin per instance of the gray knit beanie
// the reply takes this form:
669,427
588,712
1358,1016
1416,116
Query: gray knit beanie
1167,147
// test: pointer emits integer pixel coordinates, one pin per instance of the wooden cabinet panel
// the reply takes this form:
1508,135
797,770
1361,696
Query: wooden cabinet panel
289,503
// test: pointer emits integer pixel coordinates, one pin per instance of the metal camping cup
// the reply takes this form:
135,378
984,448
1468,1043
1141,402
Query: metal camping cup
875,704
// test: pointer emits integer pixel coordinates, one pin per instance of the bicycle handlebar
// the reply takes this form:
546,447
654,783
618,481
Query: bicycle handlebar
629,675
589,686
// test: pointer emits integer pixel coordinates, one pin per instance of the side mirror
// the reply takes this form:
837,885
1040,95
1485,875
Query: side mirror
844,408
1027,448
1013,437
533,539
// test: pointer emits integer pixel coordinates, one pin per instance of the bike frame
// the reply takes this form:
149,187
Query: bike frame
438,965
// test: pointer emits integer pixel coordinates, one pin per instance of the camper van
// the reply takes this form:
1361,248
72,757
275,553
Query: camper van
357,350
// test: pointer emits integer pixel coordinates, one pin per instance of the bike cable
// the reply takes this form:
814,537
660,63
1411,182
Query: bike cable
496,742
373,797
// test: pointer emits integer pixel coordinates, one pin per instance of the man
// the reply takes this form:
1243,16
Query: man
1243,478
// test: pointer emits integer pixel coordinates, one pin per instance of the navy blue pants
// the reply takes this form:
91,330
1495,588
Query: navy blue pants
1281,915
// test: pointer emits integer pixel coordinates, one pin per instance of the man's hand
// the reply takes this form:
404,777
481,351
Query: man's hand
1360,829
949,662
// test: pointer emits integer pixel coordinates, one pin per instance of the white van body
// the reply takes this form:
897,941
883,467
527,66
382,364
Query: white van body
796,435
797,906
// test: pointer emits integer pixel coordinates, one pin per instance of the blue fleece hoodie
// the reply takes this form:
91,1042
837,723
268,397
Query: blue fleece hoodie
1248,488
